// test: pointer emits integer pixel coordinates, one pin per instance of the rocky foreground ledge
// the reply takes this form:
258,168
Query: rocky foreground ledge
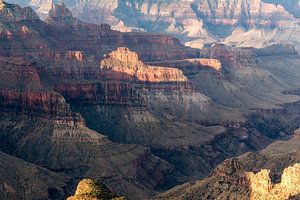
88,189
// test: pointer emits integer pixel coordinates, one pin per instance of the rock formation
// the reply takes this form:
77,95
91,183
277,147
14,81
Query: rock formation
88,189
246,13
262,187
230,180
65,33
197,23
228,56
71,55
67,108
13,13
127,62
272,173
1,5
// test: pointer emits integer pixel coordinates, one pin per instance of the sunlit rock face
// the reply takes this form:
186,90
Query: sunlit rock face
262,188
231,180
89,189
1,4
125,61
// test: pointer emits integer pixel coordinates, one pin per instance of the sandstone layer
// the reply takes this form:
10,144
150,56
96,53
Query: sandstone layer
262,188
125,61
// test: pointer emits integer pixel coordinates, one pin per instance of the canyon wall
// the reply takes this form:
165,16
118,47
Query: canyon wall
101,93
64,33
197,23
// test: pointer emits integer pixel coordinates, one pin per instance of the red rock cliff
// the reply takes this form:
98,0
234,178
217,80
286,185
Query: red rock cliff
101,93
42,104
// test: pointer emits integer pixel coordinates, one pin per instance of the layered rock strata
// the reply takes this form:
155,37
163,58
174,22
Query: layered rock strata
125,61
192,66
197,23
115,93
64,33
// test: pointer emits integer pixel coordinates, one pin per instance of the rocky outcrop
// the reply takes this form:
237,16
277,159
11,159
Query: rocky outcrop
88,189
262,187
127,62
60,11
231,180
61,17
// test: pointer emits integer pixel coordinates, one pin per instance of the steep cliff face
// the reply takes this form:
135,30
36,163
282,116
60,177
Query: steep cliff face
40,104
232,57
16,73
115,93
125,61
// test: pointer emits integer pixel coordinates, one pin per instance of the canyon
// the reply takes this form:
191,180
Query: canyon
197,23
267,174
140,113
